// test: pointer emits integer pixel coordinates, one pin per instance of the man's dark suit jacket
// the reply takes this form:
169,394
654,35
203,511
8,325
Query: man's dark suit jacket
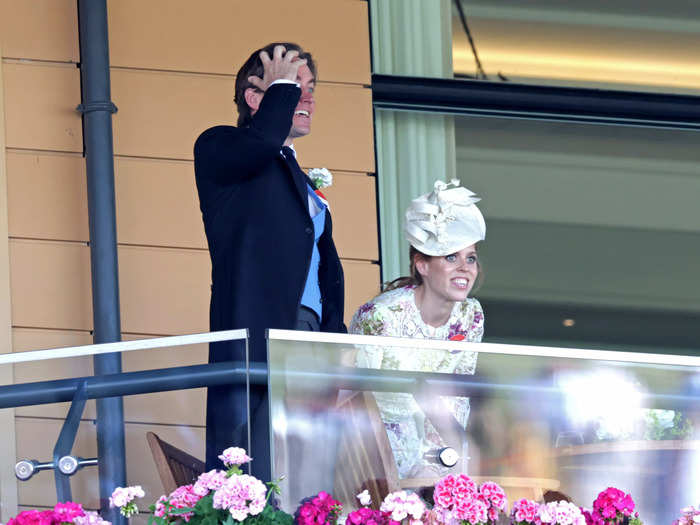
256,217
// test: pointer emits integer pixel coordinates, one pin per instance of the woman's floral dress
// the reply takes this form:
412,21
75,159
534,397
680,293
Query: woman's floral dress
395,314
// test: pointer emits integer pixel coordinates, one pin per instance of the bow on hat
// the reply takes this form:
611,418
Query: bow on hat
444,221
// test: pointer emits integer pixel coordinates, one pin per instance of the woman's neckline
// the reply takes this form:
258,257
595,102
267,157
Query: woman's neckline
431,328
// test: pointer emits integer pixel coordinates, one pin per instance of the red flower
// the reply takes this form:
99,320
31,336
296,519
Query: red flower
367,516
457,337
611,504
65,512
33,517
319,510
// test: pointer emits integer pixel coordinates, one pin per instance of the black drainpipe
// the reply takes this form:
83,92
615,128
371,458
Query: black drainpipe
97,109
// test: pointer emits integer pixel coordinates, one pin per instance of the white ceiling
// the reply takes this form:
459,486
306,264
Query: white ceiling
623,45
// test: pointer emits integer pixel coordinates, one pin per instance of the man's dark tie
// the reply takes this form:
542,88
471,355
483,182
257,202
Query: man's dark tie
291,158
302,179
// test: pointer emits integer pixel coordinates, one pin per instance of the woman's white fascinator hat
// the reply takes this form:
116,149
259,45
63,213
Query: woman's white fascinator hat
445,220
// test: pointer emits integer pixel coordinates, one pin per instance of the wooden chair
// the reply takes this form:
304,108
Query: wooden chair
366,461
175,467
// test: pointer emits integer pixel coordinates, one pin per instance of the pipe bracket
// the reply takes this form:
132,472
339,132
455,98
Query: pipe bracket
97,106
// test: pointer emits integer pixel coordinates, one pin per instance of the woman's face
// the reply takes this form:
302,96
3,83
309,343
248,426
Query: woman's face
451,277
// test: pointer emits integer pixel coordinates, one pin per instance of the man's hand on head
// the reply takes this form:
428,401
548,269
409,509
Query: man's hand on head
283,65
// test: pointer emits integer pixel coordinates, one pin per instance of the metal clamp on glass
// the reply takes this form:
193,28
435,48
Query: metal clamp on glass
67,465
446,456
26,468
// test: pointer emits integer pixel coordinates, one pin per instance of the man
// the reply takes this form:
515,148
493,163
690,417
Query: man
274,264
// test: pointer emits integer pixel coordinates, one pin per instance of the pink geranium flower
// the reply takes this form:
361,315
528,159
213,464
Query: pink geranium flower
67,512
495,498
472,511
587,515
234,456
457,498
242,496
611,506
181,498
322,509
402,505
208,481
367,516
90,518
33,517
524,512
62,513
560,513
689,516
123,499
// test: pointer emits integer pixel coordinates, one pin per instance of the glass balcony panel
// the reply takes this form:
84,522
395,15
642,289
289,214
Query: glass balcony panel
530,418
592,230
159,427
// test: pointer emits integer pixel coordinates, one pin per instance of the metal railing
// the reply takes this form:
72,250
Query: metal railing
78,390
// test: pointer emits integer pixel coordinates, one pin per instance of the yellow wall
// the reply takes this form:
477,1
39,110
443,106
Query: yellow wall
172,77
8,486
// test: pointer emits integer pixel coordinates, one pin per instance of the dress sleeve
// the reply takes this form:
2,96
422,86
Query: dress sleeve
369,320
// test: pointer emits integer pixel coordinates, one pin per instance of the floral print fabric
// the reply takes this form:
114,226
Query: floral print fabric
395,314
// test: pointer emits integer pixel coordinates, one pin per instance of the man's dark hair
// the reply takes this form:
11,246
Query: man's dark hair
253,67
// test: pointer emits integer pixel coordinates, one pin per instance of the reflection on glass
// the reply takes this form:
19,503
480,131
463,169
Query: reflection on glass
581,214
420,425
624,45
650,46
598,225
567,420
610,401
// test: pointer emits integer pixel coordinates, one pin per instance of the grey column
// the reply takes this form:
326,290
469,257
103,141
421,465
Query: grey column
97,110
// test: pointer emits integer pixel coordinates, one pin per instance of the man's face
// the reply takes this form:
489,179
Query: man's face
301,122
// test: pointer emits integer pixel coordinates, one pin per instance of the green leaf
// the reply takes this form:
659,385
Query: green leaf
205,505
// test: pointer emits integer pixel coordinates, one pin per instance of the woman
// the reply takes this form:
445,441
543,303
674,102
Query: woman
443,228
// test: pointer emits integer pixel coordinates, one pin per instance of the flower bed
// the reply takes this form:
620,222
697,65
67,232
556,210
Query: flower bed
230,497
